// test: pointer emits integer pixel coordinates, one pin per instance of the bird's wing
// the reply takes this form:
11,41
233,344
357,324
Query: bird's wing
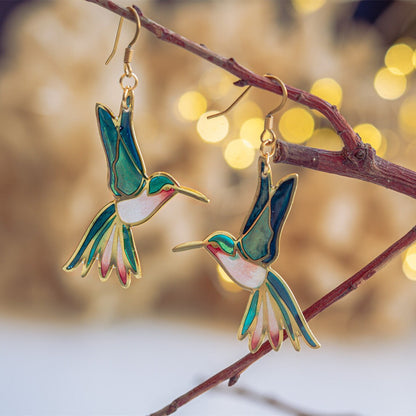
127,172
261,198
260,240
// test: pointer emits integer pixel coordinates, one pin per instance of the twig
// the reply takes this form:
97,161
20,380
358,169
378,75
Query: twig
333,296
278,403
357,159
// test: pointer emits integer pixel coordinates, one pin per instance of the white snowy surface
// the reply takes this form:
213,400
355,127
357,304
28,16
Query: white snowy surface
138,367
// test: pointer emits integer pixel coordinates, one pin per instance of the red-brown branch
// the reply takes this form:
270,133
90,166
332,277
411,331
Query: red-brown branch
233,371
363,164
357,160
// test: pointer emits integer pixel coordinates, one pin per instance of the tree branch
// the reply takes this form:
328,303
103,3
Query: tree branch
357,160
234,370
361,164
279,404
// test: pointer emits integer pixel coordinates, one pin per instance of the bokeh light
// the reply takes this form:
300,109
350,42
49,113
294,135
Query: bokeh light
191,105
371,135
215,83
328,89
239,154
307,6
382,149
213,130
409,262
244,110
296,125
399,59
225,282
407,116
326,139
251,130
389,85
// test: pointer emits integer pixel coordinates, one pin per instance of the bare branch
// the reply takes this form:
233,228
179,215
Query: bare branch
356,160
362,163
279,404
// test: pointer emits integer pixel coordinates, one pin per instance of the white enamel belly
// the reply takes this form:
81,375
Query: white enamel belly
139,209
243,272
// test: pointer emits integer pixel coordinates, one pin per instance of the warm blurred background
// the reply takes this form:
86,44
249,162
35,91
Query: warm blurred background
359,56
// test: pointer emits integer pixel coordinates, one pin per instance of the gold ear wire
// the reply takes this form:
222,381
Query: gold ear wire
230,106
284,94
129,51
270,113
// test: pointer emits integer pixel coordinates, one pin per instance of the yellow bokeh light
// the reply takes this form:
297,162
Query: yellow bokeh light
325,139
192,105
225,281
389,85
382,149
410,259
329,90
407,116
212,130
399,59
215,83
239,154
409,262
251,130
307,6
245,110
369,134
296,125
408,272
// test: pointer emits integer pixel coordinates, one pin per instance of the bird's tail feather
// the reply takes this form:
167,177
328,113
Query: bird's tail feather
271,309
110,241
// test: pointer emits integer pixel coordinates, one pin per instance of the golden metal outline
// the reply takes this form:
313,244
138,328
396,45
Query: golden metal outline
133,41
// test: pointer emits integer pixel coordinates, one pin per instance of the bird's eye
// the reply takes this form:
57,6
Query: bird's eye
166,188
214,244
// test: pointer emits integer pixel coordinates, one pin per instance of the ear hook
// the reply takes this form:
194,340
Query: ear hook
270,113
129,52
284,94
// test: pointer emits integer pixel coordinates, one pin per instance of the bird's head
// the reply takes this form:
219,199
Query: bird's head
162,183
216,243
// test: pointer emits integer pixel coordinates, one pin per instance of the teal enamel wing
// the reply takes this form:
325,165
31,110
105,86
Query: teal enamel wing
125,165
260,235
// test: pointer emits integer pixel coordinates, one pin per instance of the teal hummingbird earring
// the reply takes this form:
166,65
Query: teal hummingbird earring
137,196
272,307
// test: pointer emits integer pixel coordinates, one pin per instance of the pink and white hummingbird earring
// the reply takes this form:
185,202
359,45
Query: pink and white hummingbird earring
137,196
272,307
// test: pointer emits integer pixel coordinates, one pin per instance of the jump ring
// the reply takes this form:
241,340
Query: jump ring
127,87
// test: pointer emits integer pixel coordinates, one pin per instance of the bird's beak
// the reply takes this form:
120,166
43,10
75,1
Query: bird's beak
189,246
192,193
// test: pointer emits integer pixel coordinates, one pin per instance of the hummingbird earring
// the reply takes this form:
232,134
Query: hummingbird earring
247,260
137,196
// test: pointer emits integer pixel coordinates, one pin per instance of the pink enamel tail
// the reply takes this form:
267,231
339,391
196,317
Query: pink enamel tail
119,252
261,320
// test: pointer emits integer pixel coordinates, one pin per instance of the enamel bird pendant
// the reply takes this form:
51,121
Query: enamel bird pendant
137,197
272,307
